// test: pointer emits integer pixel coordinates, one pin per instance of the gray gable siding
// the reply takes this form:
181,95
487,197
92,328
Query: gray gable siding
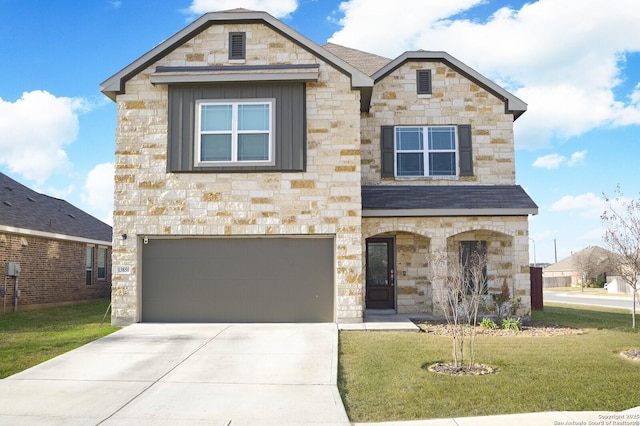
290,124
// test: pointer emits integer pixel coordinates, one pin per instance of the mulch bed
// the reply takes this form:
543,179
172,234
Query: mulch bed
450,369
632,354
530,329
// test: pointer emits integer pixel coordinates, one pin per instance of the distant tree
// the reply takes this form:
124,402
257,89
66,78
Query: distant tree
590,264
622,235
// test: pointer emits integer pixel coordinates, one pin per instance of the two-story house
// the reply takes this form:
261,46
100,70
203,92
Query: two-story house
261,177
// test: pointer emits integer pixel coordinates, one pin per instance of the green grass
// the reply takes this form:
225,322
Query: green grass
382,376
30,337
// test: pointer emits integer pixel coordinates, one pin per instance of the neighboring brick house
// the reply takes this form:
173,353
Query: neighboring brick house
263,177
64,254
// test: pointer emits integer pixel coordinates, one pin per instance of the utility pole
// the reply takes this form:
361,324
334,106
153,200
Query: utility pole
555,249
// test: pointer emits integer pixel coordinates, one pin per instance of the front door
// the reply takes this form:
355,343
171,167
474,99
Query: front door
380,274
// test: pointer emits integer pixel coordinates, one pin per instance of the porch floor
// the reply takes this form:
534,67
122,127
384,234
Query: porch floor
384,320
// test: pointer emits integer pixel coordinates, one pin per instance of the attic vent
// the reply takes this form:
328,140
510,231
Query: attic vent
8,188
423,80
71,216
31,199
237,45
8,203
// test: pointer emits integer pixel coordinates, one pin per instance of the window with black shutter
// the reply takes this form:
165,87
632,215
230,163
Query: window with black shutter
423,78
426,151
237,45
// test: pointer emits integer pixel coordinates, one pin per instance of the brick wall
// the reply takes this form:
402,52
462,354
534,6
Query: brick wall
53,271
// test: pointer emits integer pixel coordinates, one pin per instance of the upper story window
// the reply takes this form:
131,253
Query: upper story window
426,151
234,132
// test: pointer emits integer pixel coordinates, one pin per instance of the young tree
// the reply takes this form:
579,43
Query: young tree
622,234
459,283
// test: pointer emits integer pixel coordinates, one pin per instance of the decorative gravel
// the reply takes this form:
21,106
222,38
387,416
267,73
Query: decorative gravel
531,329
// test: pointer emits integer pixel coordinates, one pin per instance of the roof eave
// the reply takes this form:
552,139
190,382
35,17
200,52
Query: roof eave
513,104
114,85
448,212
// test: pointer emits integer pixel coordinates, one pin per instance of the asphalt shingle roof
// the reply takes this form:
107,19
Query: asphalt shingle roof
443,197
21,207
366,62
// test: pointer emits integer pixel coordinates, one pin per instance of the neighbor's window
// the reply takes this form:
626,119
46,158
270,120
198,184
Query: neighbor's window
234,132
425,151
89,266
102,263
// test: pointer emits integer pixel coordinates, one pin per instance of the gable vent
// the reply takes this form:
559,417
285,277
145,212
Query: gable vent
423,79
237,45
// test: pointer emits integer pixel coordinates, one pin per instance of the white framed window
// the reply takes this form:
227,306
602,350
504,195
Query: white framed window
425,151
234,132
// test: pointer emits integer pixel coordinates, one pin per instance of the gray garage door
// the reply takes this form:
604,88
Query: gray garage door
238,280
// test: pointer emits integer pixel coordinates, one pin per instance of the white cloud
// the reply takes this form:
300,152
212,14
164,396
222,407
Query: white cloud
97,192
587,205
565,72
551,161
577,158
34,131
277,8
554,161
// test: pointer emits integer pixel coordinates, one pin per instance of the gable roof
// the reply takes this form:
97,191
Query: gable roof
23,210
595,254
366,62
115,84
446,200
513,104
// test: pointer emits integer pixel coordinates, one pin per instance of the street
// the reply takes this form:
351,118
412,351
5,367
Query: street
624,302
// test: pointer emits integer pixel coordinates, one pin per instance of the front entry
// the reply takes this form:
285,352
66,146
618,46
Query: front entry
380,274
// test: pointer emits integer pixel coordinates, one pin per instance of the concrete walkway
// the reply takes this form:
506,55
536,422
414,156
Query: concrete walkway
185,374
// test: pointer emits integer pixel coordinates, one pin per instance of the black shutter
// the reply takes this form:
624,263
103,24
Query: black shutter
465,150
237,43
423,79
386,148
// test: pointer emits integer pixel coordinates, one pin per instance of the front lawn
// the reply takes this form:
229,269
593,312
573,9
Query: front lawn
30,337
383,376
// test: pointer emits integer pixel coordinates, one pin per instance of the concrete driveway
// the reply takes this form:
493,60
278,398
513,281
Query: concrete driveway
185,374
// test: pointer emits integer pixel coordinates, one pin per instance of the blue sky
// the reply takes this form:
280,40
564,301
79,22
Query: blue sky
581,78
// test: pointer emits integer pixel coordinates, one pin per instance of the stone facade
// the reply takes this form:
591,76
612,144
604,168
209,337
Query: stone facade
323,200
53,271
418,239
455,100
342,154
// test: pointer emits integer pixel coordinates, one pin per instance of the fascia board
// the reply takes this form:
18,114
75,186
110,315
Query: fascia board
52,235
114,85
448,212
514,104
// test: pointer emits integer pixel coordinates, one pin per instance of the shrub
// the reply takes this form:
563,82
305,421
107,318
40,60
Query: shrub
512,324
488,323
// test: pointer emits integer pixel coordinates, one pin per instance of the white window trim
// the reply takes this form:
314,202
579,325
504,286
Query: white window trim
426,151
234,133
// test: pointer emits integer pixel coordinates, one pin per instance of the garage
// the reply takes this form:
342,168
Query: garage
236,279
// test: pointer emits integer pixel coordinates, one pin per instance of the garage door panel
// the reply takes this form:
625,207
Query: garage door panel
238,280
